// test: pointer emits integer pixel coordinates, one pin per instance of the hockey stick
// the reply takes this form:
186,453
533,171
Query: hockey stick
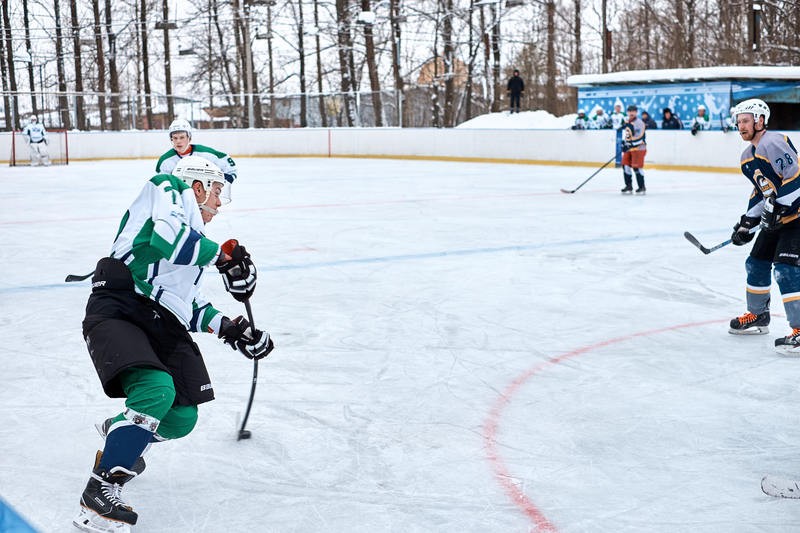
692,239
245,433
75,277
596,172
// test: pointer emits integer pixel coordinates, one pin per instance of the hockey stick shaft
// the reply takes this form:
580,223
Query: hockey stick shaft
75,277
596,172
255,375
692,239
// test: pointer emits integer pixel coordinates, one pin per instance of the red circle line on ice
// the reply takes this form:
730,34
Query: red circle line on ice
490,428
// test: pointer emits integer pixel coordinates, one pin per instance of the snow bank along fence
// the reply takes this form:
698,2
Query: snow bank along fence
710,150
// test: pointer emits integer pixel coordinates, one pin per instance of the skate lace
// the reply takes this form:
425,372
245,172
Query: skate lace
747,318
795,333
113,491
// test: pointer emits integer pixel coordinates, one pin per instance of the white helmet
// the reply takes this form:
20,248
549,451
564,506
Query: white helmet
195,168
34,119
753,106
701,107
180,124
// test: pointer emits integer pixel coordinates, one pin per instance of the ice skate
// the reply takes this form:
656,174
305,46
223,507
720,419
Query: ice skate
102,507
790,344
627,190
750,324
641,190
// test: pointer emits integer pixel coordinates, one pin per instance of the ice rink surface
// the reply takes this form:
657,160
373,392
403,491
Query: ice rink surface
459,347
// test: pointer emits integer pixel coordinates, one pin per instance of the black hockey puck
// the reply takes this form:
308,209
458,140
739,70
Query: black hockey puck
244,434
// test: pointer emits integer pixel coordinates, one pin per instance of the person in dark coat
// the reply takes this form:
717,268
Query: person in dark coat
670,121
649,123
515,87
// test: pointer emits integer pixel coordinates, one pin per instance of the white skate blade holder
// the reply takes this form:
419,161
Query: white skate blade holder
780,487
755,330
94,523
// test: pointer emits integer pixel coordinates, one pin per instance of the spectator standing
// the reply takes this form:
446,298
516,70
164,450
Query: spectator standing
700,120
515,87
581,121
599,120
670,121
617,117
649,123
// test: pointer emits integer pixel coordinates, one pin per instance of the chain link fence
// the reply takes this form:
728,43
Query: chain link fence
417,106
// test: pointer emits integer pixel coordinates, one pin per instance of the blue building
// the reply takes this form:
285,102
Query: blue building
683,90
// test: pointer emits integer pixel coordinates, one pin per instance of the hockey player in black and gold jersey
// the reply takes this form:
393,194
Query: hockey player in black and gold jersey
770,163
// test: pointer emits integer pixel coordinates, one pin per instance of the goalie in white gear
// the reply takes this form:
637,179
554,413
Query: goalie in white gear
35,136
180,134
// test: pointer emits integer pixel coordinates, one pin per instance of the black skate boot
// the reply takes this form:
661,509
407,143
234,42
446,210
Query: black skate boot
641,190
750,324
102,508
102,429
627,190
790,344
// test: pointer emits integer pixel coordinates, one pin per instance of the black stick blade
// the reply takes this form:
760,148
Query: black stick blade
75,277
692,239
565,191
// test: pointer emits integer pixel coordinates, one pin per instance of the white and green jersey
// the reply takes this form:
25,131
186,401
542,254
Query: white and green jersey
161,240
166,163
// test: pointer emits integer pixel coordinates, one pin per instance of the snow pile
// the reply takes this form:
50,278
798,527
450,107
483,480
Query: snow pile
537,120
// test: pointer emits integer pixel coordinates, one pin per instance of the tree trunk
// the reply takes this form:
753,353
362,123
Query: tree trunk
320,98
80,113
271,69
396,49
29,49
148,101
233,87
112,70
344,44
167,62
301,51
550,90
101,64
12,75
63,103
4,78
497,91
449,65
372,68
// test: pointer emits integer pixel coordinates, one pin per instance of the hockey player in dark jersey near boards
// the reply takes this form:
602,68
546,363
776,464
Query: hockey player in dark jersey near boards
145,300
180,134
770,163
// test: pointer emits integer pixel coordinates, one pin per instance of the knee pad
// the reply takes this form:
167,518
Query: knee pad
759,272
178,422
149,391
788,278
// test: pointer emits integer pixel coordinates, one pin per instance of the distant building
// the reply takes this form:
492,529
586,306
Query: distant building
682,90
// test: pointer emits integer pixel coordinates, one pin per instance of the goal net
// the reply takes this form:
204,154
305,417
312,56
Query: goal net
57,148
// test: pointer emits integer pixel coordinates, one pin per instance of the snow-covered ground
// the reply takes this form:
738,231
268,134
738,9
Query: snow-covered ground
460,347
535,120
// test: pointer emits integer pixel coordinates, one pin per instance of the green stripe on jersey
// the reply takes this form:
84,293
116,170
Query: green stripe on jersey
164,158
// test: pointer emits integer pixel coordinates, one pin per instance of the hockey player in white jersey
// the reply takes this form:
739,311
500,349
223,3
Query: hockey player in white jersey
180,134
770,163
35,136
145,300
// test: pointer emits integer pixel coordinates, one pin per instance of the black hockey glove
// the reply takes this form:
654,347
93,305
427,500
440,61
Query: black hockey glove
626,145
770,217
239,273
695,128
253,343
741,231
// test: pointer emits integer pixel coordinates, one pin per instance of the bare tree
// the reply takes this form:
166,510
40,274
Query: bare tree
80,113
12,76
318,53
29,49
101,63
167,61
301,53
449,58
345,48
112,68
148,102
63,104
3,75
372,67
397,34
